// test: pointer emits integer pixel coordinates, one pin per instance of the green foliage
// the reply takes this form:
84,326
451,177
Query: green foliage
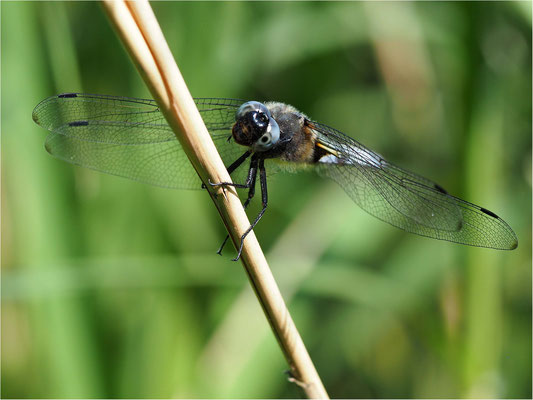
112,289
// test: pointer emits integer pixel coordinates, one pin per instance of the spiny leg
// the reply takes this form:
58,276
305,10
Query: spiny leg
251,194
250,183
234,165
264,202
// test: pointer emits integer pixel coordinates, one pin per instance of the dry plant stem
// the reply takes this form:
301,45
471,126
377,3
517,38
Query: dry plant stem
142,36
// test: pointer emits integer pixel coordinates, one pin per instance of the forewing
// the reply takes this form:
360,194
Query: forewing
129,137
406,200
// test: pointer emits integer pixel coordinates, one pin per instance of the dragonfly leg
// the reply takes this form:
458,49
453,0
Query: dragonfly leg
250,183
234,165
251,194
264,202
219,251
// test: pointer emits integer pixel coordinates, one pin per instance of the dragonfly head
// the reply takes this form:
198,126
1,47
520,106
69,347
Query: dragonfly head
254,127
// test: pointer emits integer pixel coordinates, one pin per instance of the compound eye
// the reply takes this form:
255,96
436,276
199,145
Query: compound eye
261,119
252,106
266,139
264,143
269,138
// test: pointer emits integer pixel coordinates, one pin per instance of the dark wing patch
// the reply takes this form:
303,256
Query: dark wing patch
129,137
407,200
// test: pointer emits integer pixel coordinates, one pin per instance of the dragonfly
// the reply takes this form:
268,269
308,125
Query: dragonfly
130,137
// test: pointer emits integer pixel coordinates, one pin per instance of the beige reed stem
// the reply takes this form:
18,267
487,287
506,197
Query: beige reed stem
139,30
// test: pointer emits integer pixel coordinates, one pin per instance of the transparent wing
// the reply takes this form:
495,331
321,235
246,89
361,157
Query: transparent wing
406,200
129,137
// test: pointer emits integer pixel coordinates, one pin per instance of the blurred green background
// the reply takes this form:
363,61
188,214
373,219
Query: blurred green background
112,289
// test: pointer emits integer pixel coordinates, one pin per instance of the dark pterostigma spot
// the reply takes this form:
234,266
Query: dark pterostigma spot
78,123
67,95
440,188
489,212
